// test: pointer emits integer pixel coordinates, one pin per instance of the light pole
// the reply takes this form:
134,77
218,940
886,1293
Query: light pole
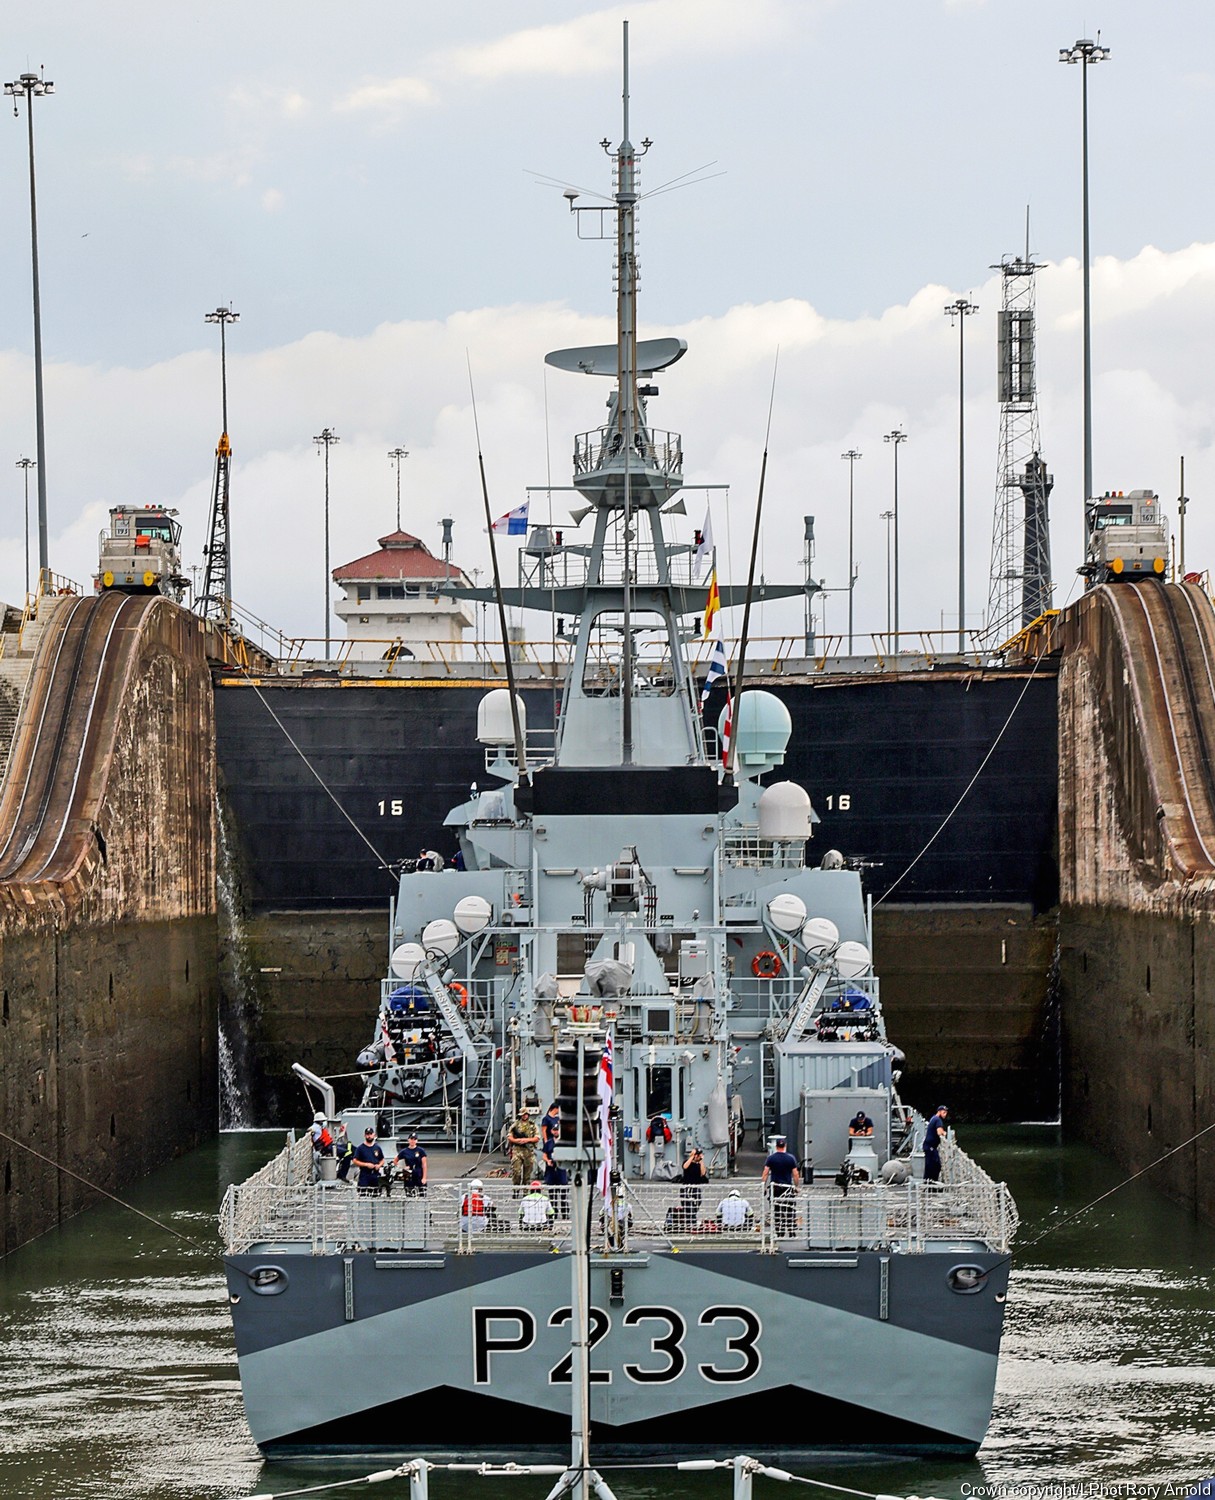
326,438
223,316
895,438
961,310
852,455
1086,53
396,455
217,591
28,463
887,516
35,87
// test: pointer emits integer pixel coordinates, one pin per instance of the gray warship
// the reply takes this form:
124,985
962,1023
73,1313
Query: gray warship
639,935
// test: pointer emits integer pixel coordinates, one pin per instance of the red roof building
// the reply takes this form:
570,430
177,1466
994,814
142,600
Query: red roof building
398,600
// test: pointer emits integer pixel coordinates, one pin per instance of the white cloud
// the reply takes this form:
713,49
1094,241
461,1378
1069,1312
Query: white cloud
392,98
273,200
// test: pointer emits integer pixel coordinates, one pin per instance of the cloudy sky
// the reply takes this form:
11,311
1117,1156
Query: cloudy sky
363,184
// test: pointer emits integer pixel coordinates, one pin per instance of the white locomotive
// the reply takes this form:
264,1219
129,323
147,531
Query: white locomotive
1128,537
140,553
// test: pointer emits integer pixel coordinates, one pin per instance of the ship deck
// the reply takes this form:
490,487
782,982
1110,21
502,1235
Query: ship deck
283,1209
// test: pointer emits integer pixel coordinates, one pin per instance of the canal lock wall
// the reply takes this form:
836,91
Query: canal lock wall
1137,885
108,953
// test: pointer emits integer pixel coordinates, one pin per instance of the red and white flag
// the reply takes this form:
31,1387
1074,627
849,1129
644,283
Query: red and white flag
606,1087
727,724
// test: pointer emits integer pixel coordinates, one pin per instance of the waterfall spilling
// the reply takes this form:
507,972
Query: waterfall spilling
240,1001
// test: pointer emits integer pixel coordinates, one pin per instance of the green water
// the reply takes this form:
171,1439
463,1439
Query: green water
119,1377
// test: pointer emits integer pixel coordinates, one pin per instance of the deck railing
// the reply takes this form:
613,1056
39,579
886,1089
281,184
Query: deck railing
275,1214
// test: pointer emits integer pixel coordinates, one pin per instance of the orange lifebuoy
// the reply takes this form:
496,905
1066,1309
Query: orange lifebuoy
766,965
460,993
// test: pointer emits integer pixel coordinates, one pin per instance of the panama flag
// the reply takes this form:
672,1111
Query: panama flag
513,523
605,1115
712,604
717,669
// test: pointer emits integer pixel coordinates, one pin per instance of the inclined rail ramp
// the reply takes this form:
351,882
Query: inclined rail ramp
62,736
1167,636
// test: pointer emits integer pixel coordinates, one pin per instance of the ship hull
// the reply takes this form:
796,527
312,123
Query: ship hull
713,1352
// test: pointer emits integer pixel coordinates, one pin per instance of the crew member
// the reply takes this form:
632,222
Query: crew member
522,1141
734,1212
694,1178
860,1124
932,1144
550,1126
535,1210
781,1171
411,1159
369,1158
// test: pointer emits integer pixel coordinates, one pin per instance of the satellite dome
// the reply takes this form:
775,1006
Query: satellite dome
784,811
820,935
407,960
472,913
441,936
852,960
495,726
761,731
787,912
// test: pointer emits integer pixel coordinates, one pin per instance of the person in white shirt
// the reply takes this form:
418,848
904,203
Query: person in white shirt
734,1212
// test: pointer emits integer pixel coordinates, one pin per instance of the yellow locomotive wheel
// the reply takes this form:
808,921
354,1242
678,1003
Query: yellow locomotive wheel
149,579
107,580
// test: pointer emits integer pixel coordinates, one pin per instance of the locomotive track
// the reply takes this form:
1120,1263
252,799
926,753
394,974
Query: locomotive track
49,775
1168,637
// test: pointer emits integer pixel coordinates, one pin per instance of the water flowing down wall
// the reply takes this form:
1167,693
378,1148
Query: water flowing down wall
107,909
1137,878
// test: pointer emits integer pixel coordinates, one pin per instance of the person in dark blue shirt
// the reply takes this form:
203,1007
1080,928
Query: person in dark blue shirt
781,1171
860,1124
932,1145
369,1158
550,1126
411,1159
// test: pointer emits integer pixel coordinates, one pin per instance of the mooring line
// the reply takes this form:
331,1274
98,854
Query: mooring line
97,1188
1118,1186
321,782
981,768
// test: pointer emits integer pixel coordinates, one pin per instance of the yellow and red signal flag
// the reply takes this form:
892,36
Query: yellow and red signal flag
712,604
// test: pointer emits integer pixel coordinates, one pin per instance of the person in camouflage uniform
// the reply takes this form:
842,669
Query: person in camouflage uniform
523,1141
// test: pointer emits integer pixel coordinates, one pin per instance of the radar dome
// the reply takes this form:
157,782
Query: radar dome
819,935
441,936
761,731
784,811
787,912
852,960
495,726
472,913
407,960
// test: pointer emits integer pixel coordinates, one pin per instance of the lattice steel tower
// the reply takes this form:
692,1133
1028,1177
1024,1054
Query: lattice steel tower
1020,588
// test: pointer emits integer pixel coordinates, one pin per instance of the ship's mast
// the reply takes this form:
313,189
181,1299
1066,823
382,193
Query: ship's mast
626,377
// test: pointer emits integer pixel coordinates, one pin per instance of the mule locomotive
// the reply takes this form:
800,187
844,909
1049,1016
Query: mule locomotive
1128,537
140,553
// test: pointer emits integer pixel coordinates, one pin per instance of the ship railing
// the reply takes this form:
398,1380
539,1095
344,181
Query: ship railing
540,746
653,447
746,850
335,1216
477,1012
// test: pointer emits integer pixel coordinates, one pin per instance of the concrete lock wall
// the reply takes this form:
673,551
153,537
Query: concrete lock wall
1136,925
108,973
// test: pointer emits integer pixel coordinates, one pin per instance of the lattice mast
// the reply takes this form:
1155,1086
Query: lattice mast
1020,588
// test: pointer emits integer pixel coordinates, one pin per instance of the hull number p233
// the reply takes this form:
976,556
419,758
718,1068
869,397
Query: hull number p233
501,1331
